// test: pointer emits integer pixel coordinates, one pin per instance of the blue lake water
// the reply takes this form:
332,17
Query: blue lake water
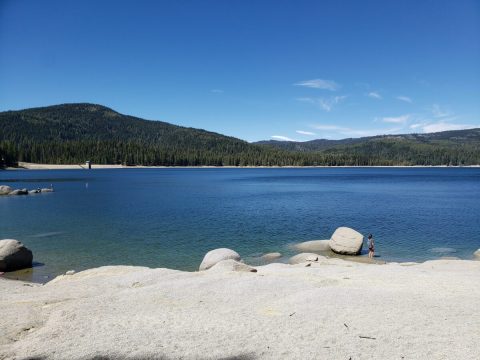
172,217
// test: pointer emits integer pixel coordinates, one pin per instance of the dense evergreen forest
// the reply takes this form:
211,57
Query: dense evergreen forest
74,133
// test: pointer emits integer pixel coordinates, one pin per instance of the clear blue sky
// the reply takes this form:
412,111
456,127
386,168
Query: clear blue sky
251,69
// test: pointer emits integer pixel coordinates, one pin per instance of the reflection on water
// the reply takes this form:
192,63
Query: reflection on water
47,234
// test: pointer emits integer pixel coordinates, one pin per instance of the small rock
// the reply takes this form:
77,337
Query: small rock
346,241
271,256
5,190
14,255
217,255
19,192
232,265
313,246
47,190
476,254
449,258
70,272
305,257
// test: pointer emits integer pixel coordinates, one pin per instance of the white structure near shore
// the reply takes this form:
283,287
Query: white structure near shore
332,309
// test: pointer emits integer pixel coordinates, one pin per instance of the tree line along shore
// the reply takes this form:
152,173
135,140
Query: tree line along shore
75,133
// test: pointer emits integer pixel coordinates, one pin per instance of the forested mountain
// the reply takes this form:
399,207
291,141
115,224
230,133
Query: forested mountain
455,137
458,147
74,133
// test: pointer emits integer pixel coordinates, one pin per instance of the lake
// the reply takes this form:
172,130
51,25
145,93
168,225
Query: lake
170,217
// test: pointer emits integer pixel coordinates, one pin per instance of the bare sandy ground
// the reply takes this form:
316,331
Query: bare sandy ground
33,166
333,309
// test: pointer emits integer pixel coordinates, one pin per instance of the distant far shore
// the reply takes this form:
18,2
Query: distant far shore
34,166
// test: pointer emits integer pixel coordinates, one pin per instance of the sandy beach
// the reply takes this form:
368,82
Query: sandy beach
333,309
35,166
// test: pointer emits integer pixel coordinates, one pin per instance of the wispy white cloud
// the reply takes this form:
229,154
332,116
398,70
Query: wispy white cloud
374,132
319,84
416,126
340,131
396,120
282,138
217,91
404,98
302,132
324,127
445,126
374,95
440,112
307,100
326,104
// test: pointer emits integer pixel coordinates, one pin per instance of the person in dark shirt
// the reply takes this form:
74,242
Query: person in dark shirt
371,246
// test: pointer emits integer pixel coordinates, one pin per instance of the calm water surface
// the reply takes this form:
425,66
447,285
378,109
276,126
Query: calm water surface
172,217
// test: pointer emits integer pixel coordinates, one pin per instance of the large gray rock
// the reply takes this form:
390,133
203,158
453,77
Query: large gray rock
305,257
14,255
313,246
5,190
346,241
19,192
217,255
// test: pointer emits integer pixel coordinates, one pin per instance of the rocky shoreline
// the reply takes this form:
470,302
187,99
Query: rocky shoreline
331,309
6,190
314,307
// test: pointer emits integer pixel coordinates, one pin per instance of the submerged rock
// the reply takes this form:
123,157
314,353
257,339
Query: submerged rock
313,246
217,255
476,255
304,257
5,190
19,192
14,255
346,241
271,256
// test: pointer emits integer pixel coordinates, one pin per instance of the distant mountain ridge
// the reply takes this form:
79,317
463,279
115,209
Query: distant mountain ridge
74,133
460,136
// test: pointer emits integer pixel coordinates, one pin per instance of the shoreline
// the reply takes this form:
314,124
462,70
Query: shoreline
44,277
35,166
331,309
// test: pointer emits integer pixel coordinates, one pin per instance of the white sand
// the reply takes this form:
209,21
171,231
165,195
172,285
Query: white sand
34,166
424,311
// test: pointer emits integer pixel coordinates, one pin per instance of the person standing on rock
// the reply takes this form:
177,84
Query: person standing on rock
371,246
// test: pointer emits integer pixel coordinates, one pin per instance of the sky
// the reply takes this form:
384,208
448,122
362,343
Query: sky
256,70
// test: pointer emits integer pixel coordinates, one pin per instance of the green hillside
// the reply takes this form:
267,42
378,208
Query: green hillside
458,147
74,133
